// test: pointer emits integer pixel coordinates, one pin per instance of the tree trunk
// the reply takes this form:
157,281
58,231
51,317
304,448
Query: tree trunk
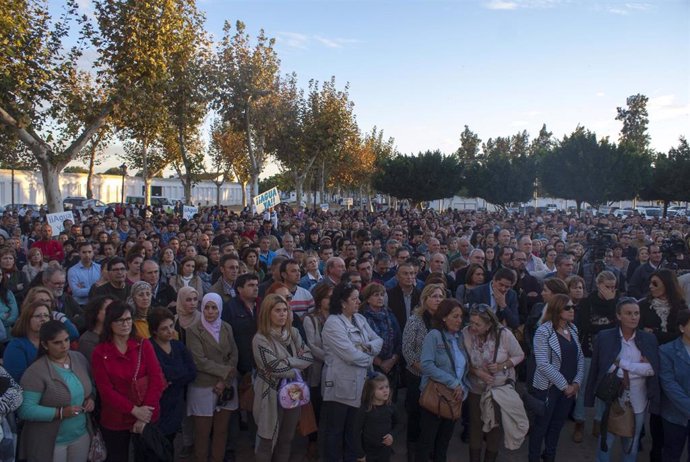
322,181
218,186
51,185
89,176
187,183
666,203
578,204
145,174
299,187
12,186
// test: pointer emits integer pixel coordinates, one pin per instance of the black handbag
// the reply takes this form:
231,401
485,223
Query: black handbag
609,389
226,396
156,445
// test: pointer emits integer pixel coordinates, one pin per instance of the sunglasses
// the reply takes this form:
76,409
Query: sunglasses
479,308
568,307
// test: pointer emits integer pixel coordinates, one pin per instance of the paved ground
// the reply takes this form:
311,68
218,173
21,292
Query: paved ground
568,451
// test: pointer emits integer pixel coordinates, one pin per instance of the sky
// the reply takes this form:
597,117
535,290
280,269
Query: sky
421,70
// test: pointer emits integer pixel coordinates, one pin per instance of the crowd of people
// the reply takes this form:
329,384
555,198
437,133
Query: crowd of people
133,332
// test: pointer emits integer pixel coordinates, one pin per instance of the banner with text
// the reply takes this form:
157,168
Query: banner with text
267,199
188,212
56,221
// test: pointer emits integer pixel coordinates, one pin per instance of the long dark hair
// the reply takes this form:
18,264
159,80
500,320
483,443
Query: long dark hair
115,311
443,310
48,332
93,307
674,293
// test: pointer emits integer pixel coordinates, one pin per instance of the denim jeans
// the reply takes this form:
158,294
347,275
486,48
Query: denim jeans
610,438
336,432
548,428
675,439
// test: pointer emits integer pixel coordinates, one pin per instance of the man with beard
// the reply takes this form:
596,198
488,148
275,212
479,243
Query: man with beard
54,279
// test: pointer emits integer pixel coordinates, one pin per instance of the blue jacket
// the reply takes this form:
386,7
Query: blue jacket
510,314
675,382
606,348
436,363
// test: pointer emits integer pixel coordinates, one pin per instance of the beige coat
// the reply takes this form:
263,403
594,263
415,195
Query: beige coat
513,416
196,283
273,363
214,360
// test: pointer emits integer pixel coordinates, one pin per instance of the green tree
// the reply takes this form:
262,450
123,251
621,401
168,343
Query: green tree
425,177
75,169
287,141
584,169
470,144
37,86
245,89
670,178
635,121
228,151
282,181
186,97
503,172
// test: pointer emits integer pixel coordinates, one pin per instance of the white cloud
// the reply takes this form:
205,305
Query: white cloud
303,41
619,11
501,5
665,107
292,39
515,4
600,94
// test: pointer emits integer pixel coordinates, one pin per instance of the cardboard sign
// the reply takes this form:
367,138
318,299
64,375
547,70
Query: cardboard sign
347,201
267,199
324,207
56,220
188,212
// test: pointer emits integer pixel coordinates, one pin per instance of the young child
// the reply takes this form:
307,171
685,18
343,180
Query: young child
375,421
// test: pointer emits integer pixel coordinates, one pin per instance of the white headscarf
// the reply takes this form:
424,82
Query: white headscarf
213,328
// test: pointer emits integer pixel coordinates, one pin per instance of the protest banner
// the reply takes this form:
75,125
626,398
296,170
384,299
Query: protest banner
266,199
56,221
188,212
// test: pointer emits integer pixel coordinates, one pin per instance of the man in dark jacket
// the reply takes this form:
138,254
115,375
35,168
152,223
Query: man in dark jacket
500,296
404,297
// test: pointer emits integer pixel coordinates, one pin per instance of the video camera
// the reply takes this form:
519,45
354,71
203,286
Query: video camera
670,248
598,241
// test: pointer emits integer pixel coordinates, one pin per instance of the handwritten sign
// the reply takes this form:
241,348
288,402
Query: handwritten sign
324,207
267,199
188,212
56,221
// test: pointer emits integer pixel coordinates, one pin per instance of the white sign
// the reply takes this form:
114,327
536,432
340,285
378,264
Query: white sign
324,207
189,212
348,201
56,220
267,199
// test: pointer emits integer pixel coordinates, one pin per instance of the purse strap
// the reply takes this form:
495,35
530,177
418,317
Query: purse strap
136,371
450,355
497,343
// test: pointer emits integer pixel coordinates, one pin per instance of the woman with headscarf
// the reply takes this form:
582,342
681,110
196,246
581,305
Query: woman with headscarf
212,396
187,311
140,300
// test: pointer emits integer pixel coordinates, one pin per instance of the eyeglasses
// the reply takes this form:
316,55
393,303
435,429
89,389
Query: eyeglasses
123,321
568,307
626,301
41,316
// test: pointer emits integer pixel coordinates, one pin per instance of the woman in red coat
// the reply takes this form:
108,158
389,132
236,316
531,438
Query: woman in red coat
129,381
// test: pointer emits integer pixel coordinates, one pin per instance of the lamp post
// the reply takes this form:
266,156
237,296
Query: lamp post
123,168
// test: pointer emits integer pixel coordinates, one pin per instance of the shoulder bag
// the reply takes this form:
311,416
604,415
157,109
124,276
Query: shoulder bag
141,384
438,398
293,393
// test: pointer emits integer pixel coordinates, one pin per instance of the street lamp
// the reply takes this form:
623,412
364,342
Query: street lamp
123,169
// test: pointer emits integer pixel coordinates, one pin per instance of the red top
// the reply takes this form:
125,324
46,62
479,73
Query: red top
51,250
114,373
